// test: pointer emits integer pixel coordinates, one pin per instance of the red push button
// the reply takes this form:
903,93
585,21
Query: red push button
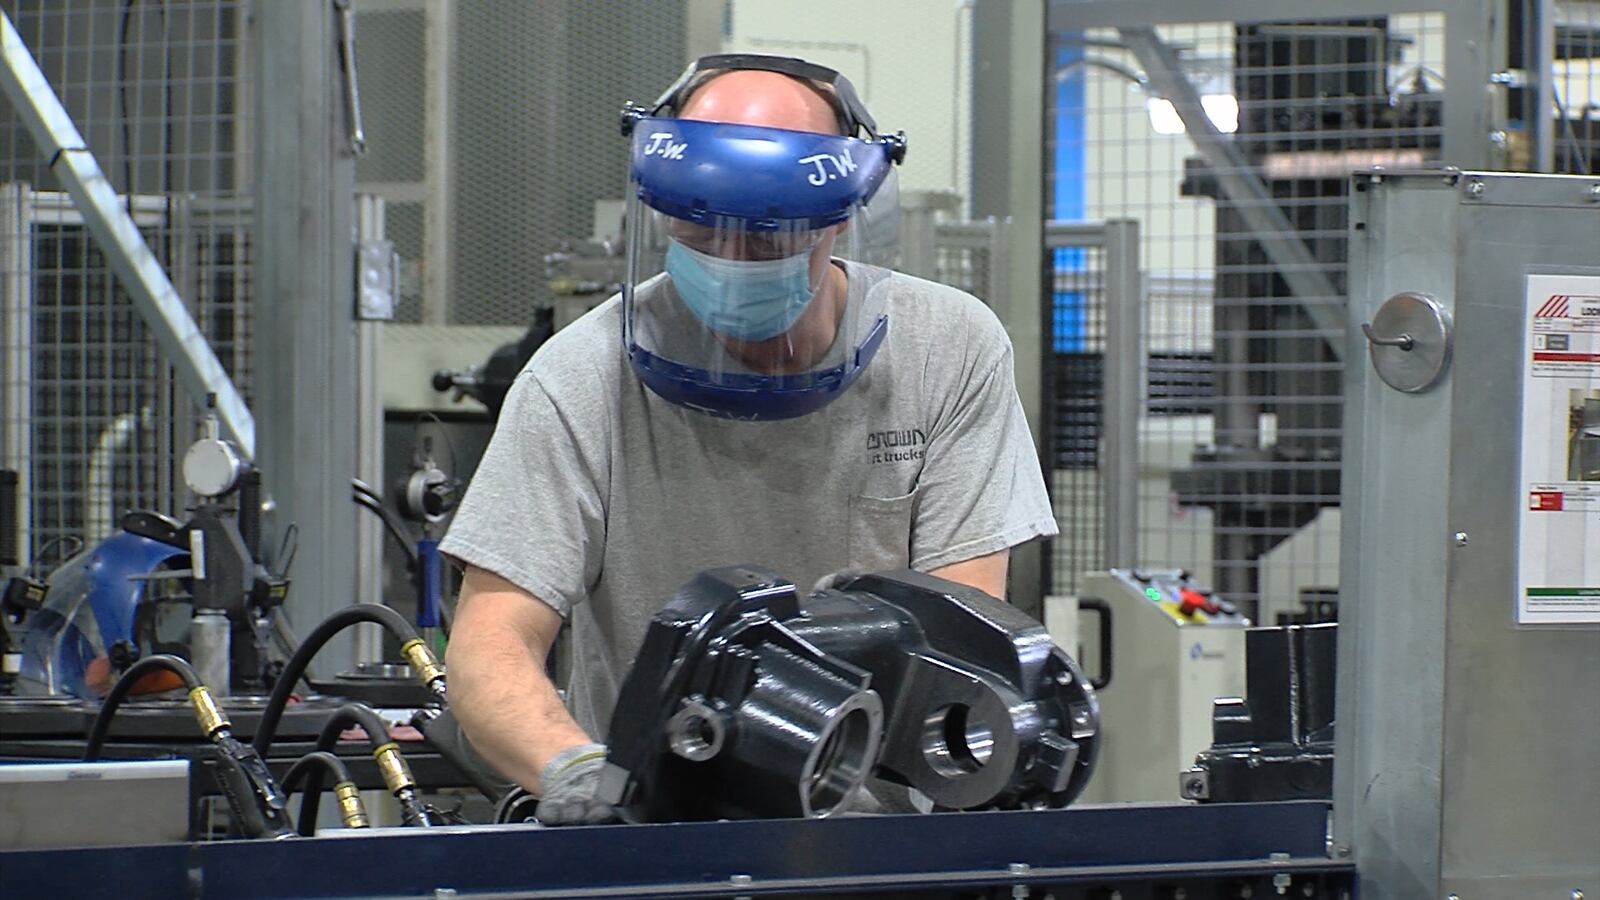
1191,601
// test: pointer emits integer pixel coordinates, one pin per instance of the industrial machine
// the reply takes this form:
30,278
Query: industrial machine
1470,564
1174,647
487,383
159,584
1276,742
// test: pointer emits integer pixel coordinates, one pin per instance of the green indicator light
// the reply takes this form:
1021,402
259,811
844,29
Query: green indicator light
1153,594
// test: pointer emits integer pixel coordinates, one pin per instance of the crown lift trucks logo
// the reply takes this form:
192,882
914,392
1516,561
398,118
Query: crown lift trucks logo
898,445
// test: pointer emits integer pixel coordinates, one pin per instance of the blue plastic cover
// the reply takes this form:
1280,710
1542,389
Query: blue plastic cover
114,590
716,171
89,607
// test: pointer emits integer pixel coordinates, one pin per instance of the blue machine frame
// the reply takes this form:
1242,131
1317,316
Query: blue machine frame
1119,846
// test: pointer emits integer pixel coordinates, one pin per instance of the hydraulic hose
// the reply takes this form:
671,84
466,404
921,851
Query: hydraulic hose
424,664
351,809
444,734
364,495
119,692
396,773
256,800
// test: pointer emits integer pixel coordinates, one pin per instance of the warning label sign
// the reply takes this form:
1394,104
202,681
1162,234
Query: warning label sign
1558,541
1566,334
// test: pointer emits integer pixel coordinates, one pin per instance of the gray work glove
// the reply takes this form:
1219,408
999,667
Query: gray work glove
567,788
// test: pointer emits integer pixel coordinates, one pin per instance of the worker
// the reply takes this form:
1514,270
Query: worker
760,392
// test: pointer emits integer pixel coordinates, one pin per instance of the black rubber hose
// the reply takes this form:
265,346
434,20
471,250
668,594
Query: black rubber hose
444,734
377,735
366,496
302,769
297,664
119,692
390,524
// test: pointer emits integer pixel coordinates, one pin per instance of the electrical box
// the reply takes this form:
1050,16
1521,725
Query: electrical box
1173,648
1469,595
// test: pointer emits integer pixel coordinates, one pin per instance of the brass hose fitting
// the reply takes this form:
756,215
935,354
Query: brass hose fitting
206,710
351,809
427,667
396,773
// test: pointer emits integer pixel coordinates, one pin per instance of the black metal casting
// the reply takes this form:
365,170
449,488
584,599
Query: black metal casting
1277,743
747,701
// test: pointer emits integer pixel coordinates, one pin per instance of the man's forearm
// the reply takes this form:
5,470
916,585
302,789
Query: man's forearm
986,573
507,705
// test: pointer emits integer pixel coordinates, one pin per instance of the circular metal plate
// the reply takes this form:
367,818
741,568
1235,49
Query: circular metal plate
211,468
1415,366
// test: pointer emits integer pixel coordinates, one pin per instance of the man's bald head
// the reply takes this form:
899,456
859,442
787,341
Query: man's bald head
758,97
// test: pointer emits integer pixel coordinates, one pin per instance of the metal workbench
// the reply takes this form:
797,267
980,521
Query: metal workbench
1131,851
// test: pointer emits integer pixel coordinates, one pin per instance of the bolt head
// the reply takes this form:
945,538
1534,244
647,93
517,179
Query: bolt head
1474,189
1461,538
1594,193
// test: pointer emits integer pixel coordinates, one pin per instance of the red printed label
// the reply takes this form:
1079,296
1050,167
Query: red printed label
1545,501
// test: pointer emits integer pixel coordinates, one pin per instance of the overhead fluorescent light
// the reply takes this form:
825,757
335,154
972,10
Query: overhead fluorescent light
1221,109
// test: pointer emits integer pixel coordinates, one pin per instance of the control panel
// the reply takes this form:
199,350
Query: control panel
1184,600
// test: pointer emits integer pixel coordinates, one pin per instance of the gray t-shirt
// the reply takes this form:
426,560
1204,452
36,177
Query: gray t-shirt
601,499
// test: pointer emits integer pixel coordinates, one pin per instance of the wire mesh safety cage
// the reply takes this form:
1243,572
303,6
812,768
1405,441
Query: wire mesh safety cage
1244,218
1075,362
513,149
1240,428
91,416
1575,86
970,269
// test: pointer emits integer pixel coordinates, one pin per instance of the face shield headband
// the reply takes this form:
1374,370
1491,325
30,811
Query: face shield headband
854,120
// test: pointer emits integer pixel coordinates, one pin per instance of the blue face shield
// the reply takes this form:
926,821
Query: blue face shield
751,300
734,232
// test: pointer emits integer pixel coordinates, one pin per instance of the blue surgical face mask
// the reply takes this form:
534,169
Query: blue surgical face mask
750,300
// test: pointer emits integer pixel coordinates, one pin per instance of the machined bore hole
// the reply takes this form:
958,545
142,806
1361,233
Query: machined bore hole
954,742
841,763
694,737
